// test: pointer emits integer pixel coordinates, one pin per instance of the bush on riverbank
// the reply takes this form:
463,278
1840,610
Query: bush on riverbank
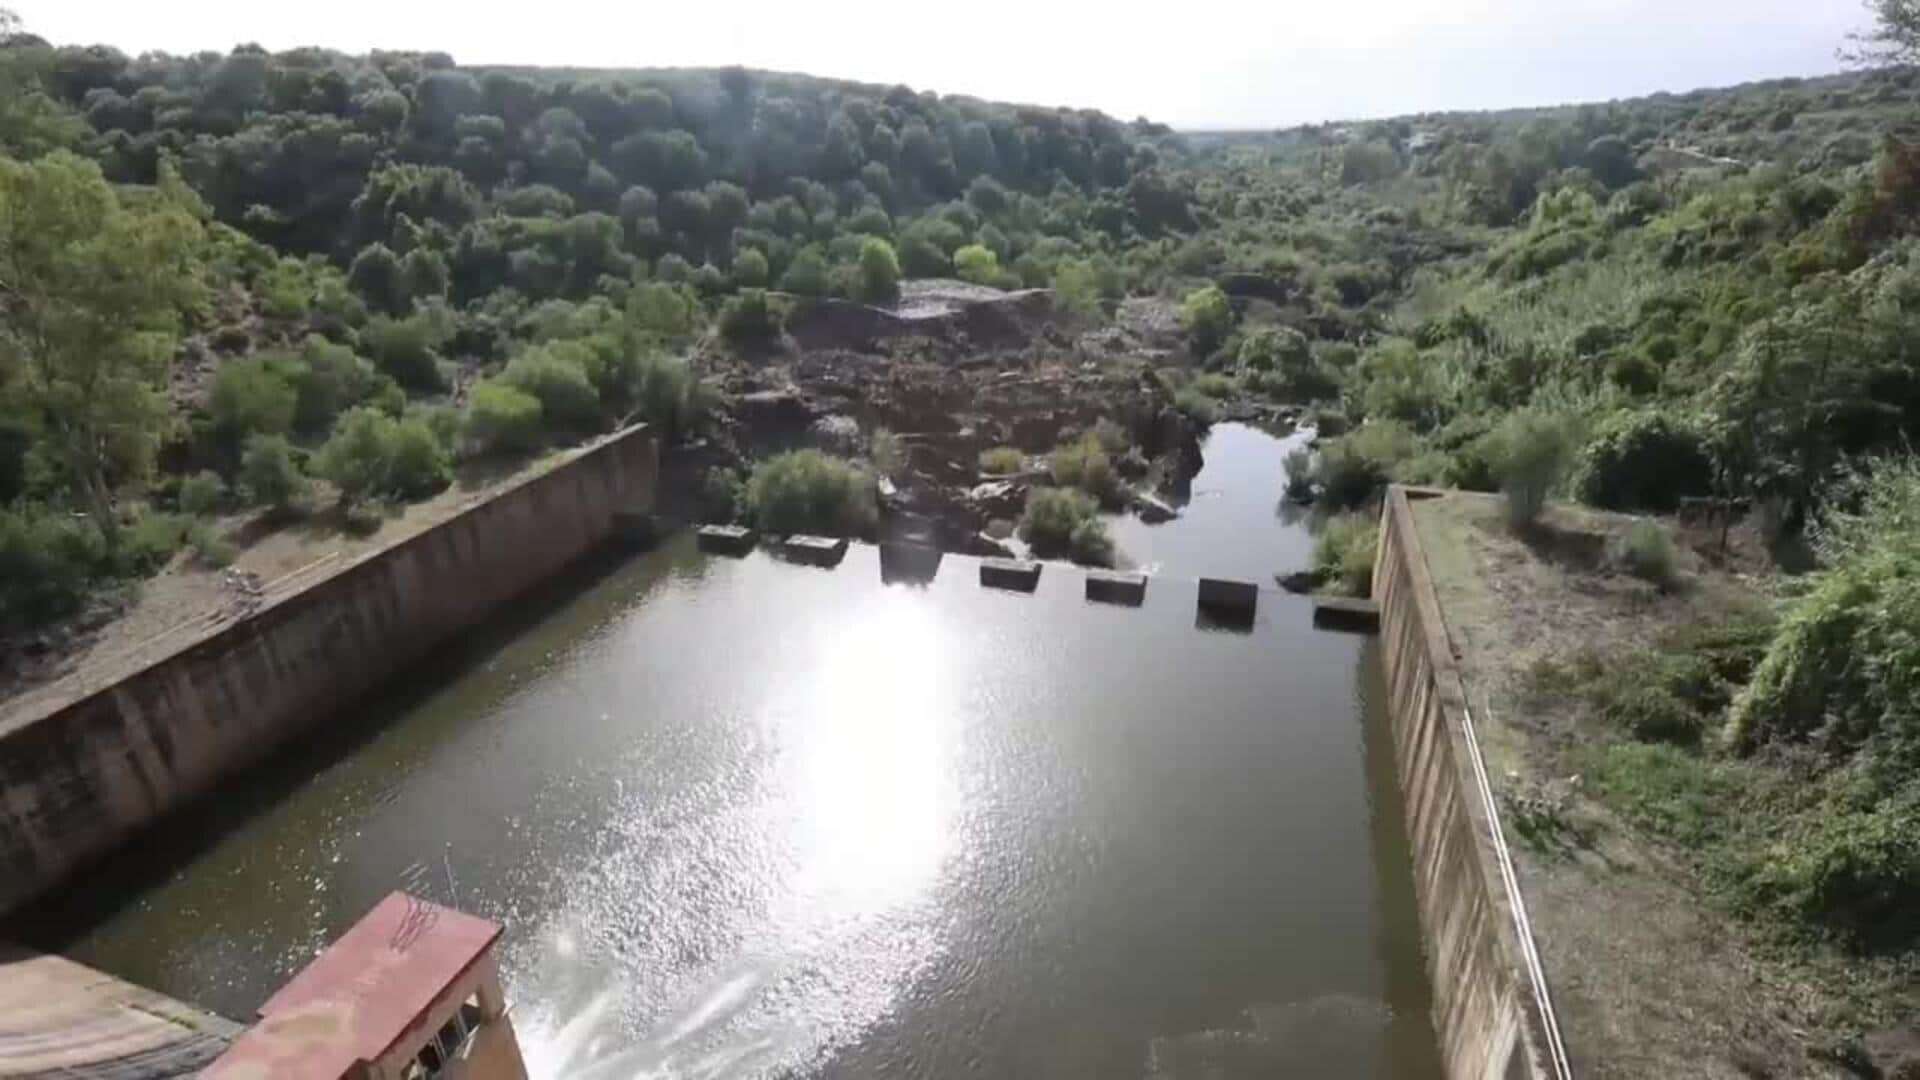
807,491
1343,554
1066,522
1002,461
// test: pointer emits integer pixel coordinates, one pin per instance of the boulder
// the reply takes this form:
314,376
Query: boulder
1300,582
1152,510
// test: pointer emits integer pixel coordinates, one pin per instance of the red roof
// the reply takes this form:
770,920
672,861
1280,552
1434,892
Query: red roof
357,998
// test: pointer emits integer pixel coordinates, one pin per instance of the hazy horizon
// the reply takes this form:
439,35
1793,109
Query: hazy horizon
1217,66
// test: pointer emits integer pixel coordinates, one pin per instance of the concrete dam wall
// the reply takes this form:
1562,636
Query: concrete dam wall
81,773
1491,1012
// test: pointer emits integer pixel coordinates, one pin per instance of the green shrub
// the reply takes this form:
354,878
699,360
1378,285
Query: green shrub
1113,438
1076,290
977,264
202,493
1355,467
418,463
253,395
356,457
750,269
879,272
209,547
806,491
1197,406
269,475
1343,553
1530,451
556,375
408,349
1063,521
1853,870
1642,460
1298,465
750,317
888,452
49,561
330,378
1207,316
722,494
501,418
1091,544
1647,552
1002,461
1084,465
1652,713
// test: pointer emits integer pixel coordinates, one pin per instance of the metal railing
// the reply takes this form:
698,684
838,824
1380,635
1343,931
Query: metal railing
1522,924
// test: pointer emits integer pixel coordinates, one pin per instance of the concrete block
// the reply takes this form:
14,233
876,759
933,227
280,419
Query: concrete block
824,551
1347,615
726,539
1016,574
1114,587
1229,597
914,564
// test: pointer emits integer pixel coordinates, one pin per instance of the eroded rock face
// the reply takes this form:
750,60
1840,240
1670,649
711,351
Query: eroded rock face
954,370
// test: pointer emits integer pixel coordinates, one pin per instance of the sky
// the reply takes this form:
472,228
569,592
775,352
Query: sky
1192,64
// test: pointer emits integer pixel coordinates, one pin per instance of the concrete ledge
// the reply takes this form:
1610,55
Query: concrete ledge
95,759
1116,587
1015,574
1346,614
735,540
913,564
826,551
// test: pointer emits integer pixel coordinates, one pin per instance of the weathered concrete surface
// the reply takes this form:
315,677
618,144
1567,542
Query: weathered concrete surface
80,773
1346,614
59,1019
1018,575
726,539
1116,587
1485,1013
909,563
826,551
1228,601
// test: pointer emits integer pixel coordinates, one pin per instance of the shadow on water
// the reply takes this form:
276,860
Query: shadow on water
54,923
1398,937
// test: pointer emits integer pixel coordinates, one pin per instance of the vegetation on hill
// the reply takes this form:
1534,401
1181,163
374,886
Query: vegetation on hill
306,279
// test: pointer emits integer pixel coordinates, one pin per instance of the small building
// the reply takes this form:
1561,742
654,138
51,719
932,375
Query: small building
411,992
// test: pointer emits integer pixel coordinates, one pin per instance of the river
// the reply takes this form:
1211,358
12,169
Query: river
746,818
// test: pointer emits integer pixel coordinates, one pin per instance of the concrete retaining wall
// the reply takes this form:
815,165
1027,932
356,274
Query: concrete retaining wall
1487,1018
78,775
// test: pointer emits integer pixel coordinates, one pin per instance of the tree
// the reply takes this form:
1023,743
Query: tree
92,292
31,121
750,269
1894,39
1207,316
268,473
502,418
806,274
358,457
977,264
879,271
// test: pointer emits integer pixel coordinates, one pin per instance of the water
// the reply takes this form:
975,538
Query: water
744,818
1235,524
